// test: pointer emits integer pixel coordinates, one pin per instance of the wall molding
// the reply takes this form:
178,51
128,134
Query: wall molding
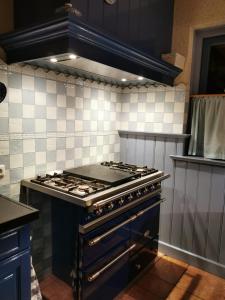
193,259
155,134
199,160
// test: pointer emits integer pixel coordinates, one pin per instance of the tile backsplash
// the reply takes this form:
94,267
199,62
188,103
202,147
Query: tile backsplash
50,121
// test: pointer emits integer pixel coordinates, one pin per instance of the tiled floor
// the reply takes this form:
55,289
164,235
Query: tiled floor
168,278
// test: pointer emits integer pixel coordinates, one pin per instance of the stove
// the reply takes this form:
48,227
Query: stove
104,224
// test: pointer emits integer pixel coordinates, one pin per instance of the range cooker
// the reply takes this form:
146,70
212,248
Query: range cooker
104,224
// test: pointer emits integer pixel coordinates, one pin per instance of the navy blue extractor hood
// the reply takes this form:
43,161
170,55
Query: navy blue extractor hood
69,35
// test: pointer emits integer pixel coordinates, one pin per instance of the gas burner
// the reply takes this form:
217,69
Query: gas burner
70,184
132,169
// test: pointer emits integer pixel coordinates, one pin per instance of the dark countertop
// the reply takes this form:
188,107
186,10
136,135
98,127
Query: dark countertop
14,214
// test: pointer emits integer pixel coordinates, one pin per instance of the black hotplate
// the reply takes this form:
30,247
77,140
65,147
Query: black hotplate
103,173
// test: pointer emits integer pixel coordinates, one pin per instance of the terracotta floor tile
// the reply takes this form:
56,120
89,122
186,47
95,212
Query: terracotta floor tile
181,294
169,270
203,284
154,285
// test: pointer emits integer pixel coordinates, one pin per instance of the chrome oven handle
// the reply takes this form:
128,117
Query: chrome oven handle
119,195
94,276
131,219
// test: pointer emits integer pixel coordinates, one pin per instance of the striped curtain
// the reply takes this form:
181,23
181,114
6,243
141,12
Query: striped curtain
208,127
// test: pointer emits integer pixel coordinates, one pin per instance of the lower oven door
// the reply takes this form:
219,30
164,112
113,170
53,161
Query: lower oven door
106,280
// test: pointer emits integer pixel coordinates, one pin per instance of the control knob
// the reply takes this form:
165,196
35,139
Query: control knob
130,197
99,211
138,193
110,206
121,201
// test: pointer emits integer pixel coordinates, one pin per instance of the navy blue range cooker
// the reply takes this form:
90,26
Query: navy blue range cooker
103,225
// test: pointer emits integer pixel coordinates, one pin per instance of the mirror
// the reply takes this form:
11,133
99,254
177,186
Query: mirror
3,91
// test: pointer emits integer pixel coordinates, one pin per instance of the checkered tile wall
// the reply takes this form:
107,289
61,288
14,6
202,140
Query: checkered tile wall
50,121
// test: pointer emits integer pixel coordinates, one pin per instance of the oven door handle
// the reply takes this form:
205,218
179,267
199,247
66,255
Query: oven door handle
94,276
131,219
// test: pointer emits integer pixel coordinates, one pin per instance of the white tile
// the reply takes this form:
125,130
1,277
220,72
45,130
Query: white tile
51,166
28,145
177,128
112,139
4,147
106,125
51,86
61,101
86,141
60,155
15,126
40,158
51,144
150,97
70,142
87,92
141,107
149,117
40,98
170,96
15,95
78,125
14,189
178,107
140,126
168,118
159,107
132,117
105,149
157,127
134,98
29,172
93,151
125,107
99,140
70,114
100,115
101,95
69,164
94,125
28,82
70,90
79,103
61,125
107,105
28,111
86,161
16,161
51,112
78,153
86,115
94,104
4,110
40,125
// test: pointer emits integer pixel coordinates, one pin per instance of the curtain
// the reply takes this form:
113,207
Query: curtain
208,127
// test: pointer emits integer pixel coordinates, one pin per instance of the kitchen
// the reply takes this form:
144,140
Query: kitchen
58,117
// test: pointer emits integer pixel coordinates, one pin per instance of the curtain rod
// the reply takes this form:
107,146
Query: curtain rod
206,95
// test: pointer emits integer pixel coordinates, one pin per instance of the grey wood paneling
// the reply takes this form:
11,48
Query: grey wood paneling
193,217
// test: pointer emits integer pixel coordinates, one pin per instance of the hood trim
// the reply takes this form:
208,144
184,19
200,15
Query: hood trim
68,34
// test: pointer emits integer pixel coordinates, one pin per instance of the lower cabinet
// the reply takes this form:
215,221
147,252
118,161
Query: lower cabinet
15,279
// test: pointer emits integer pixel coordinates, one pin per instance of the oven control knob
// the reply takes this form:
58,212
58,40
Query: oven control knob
146,190
130,197
152,188
121,201
138,193
99,211
110,206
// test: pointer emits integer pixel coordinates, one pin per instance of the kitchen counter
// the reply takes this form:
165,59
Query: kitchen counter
14,214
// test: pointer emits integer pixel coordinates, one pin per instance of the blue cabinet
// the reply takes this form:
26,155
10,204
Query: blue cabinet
15,264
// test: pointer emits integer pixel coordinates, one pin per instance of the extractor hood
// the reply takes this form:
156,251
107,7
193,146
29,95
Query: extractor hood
68,45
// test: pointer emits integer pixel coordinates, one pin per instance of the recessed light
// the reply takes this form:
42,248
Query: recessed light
140,78
53,60
123,79
72,56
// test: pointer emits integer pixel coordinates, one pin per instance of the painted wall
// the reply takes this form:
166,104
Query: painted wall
192,219
6,16
189,16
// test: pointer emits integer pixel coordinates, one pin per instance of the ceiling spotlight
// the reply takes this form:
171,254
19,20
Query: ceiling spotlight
72,56
53,60
140,78
123,79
